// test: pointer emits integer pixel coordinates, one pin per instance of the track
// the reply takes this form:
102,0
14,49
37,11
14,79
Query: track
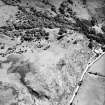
82,76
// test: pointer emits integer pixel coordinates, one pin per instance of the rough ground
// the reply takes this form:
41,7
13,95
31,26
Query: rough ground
52,52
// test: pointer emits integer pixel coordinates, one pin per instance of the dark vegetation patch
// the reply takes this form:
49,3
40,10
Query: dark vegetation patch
62,31
90,33
84,2
103,28
65,8
35,35
37,94
37,19
90,45
11,2
22,69
70,1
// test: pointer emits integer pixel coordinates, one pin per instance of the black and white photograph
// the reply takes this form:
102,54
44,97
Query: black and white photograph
52,52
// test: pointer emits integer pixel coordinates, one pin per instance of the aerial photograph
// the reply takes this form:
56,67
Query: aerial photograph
52,52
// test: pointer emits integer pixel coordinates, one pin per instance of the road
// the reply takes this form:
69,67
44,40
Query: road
82,76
